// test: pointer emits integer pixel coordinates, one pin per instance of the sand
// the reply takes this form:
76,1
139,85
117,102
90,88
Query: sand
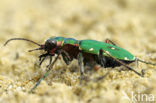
131,24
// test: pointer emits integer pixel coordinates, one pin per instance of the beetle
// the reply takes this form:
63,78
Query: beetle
92,52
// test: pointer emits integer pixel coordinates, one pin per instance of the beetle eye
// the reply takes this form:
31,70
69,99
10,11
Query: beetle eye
50,44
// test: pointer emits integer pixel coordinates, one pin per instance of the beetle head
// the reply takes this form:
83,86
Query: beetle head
50,46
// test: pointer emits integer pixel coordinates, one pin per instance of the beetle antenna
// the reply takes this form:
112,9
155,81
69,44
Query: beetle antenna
21,39
35,49
145,62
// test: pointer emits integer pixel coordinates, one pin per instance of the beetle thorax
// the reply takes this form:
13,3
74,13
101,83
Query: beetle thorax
59,43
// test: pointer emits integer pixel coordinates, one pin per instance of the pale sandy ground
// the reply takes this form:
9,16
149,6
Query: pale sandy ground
129,23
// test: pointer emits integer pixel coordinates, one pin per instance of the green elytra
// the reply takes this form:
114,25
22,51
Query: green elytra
93,47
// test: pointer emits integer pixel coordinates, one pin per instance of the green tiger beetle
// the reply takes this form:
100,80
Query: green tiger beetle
105,54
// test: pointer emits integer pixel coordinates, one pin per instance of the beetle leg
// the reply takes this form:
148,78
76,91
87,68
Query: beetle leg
81,64
41,61
45,74
102,59
109,42
140,74
44,56
137,63
50,61
66,57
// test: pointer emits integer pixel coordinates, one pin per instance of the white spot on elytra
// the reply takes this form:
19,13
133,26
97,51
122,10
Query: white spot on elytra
126,58
107,52
113,48
91,49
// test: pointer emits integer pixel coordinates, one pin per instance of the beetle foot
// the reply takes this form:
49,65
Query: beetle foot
143,72
109,42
